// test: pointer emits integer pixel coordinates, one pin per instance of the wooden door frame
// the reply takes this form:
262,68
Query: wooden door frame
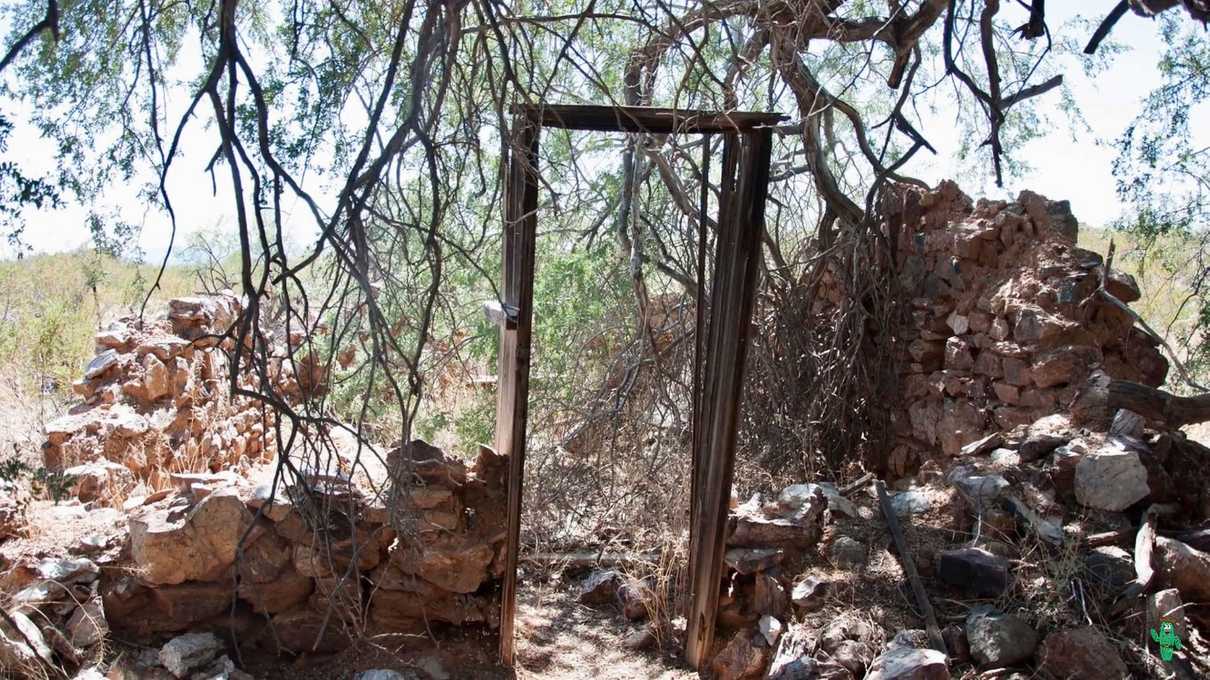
748,140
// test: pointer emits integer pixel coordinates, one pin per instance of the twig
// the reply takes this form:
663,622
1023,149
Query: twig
856,484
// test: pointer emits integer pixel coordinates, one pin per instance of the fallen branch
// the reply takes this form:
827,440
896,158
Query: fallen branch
856,484
909,568
1106,538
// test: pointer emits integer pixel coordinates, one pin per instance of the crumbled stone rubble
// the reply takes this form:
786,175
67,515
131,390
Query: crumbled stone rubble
800,595
1024,511
192,551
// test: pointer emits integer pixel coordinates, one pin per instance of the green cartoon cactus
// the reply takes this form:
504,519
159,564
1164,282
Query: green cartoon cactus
1166,639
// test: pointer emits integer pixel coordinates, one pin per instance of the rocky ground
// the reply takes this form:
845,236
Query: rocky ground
1051,550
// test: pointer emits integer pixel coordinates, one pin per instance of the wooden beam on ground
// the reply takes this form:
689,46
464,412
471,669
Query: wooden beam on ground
909,568
512,389
737,263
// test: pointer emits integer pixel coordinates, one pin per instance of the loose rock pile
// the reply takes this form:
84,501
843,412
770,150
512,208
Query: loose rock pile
162,461
1051,537
157,400
1019,543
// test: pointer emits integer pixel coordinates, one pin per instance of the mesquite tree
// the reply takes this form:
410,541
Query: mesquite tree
383,124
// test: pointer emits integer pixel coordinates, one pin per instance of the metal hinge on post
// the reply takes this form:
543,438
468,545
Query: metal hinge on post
501,314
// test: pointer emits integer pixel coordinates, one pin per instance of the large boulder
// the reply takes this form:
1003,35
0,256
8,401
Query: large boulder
172,542
1111,478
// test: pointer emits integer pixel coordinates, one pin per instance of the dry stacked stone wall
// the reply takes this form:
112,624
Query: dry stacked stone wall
157,400
319,563
1006,321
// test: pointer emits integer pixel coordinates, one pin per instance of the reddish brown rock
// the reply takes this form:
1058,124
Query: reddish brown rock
741,659
455,563
1080,653
393,609
799,528
172,542
264,554
1182,567
1064,366
287,589
305,630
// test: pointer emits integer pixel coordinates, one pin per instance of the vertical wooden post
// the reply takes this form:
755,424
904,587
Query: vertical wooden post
737,261
512,387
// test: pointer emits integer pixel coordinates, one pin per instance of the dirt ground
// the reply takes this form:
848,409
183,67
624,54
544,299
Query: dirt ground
557,639
560,639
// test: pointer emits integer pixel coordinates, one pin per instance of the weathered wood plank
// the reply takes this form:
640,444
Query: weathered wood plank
512,389
737,263
644,118
909,569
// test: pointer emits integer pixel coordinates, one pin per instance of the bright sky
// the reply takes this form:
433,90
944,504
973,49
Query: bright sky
1066,163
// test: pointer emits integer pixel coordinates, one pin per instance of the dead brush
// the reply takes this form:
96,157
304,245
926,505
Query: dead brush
1051,580
661,584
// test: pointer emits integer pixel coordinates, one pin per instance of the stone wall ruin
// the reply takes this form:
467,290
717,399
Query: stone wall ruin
1005,321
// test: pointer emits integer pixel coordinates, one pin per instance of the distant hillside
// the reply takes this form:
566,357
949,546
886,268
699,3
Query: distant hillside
51,305
1164,274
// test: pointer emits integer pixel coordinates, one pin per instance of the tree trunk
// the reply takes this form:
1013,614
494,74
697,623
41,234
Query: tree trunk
1158,404
1105,397
1102,396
